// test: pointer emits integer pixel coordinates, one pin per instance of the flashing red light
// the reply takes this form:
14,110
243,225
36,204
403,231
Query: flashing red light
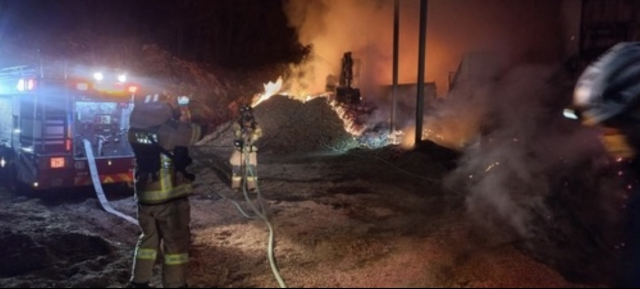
133,89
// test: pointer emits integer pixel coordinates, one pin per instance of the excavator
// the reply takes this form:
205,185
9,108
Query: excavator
345,92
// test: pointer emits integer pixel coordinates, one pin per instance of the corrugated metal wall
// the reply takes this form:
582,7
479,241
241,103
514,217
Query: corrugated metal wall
607,22
6,120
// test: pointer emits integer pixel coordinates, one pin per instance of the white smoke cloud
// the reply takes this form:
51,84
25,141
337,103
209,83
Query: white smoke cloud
508,171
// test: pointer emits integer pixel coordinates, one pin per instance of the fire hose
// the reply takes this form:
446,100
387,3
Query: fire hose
261,213
97,185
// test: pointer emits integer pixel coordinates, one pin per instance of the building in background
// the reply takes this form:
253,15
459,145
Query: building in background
605,23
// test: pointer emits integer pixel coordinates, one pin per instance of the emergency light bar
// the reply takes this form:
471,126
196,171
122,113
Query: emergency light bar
108,83
117,87
99,76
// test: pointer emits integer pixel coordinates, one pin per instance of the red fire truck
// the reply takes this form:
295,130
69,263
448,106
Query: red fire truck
47,114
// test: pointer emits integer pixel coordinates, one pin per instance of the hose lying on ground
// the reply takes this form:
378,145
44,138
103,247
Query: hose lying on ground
259,212
97,185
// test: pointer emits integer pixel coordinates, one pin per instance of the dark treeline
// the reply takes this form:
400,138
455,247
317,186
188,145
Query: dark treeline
222,32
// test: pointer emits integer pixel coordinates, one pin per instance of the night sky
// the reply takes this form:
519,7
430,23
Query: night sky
254,33
222,32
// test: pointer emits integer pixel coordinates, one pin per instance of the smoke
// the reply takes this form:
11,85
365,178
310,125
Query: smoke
517,146
524,29
332,28
455,122
524,150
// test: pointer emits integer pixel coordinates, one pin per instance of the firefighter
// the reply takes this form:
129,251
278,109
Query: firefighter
244,159
607,95
160,135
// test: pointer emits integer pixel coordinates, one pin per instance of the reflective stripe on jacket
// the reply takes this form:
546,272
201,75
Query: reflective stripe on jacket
167,185
247,139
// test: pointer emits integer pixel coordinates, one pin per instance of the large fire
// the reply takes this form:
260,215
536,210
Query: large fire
352,126
270,89
276,88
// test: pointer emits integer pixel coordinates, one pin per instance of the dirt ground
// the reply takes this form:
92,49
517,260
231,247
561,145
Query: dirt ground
362,219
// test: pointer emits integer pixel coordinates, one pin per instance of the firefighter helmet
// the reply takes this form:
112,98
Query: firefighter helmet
609,89
246,113
245,108
150,111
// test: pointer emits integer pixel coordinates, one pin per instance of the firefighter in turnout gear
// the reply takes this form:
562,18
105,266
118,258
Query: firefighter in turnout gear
608,95
160,135
244,159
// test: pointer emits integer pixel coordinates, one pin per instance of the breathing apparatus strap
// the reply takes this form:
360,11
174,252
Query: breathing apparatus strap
180,158
147,161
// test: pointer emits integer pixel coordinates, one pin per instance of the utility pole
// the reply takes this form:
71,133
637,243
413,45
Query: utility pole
424,5
394,95
581,32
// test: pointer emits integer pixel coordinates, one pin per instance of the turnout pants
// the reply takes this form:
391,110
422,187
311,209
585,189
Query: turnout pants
168,223
238,163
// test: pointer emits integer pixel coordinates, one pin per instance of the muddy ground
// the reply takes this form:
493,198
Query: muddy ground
367,218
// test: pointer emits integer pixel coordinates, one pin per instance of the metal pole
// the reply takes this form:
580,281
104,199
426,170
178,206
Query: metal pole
424,4
583,3
396,25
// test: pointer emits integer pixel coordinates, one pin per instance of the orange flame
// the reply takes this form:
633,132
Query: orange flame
275,88
270,89
349,124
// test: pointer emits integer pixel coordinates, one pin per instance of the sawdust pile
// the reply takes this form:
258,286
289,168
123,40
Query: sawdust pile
46,248
290,126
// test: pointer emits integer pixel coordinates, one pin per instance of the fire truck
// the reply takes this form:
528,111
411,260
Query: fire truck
47,116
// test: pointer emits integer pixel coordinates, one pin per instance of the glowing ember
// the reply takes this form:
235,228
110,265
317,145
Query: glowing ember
430,134
396,137
491,166
350,124
444,138
349,115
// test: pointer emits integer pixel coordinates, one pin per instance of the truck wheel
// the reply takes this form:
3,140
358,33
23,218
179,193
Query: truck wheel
14,185
126,189
11,179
